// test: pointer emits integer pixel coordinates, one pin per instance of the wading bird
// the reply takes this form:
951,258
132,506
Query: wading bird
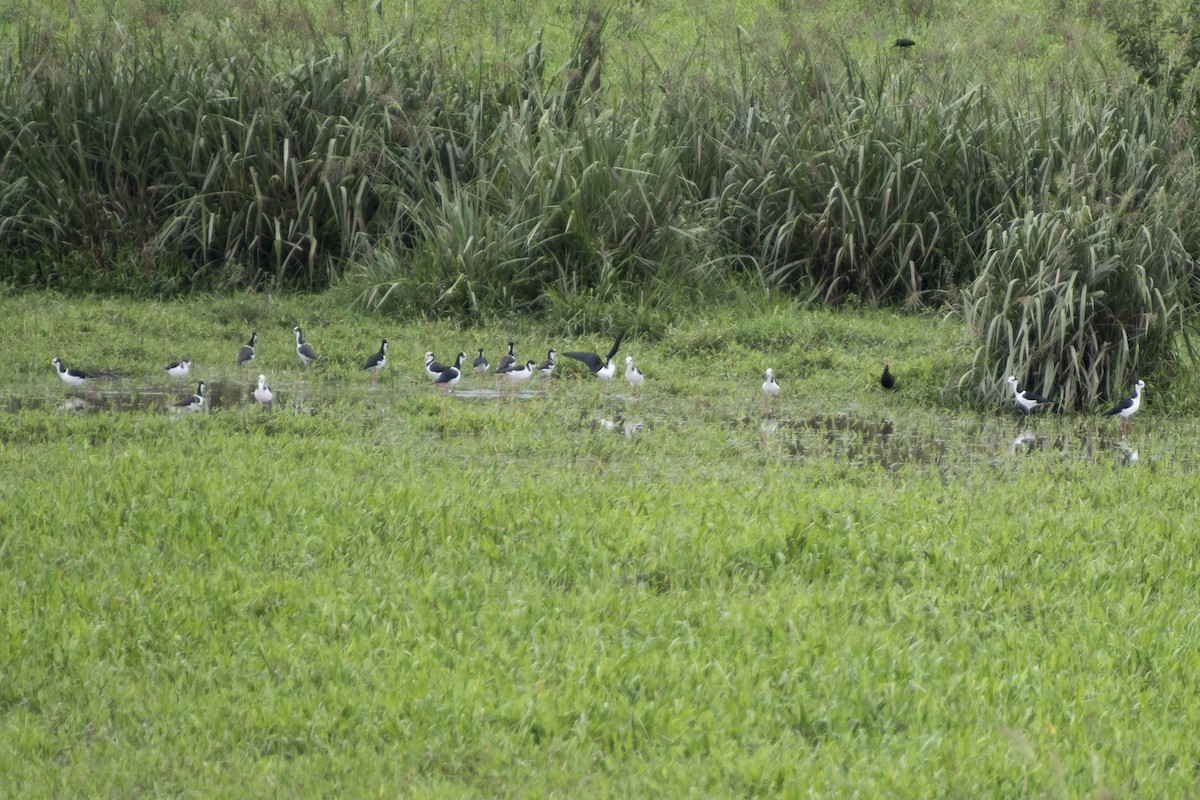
179,369
1028,401
1127,407
770,387
450,375
887,380
547,366
193,403
632,374
601,368
246,354
263,393
377,361
304,349
481,364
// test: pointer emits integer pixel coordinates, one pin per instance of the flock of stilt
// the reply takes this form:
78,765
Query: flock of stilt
448,375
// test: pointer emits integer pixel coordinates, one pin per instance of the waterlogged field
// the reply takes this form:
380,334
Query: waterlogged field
578,590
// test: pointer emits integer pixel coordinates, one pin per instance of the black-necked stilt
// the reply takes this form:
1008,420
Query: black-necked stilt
303,348
263,393
547,366
71,377
246,354
434,369
179,369
1027,401
522,373
601,368
770,387
887,380
481,364
1127,407
450,375
193,403
509,360
377,361
633,374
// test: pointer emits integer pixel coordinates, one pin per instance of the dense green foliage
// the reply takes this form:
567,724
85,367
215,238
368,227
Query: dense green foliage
389,591
426,182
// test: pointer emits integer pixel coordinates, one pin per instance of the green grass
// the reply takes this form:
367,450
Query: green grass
392,592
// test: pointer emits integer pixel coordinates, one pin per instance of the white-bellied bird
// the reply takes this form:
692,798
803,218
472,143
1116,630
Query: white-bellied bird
481,364
246,354
377,361
303,348
770,387
1026,400
546,368
71,377
602,368
262,392
522,373
632,374
179,369
1127,407
451,375
193,403
434,369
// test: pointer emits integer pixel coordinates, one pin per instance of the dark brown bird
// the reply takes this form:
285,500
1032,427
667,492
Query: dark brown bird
887,380
903,43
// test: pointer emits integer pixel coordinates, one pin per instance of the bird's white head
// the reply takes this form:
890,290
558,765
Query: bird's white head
628,359
770,373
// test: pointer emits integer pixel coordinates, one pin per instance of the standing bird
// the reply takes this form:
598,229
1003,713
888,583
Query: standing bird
263,393
193,403
547,366
71,377
377,361
246,354
1027,401
904,43
434,369
304,349
887,380
179,369
1127,407
481,364
633,374
601,368
450,375
770,387
507,361
522,373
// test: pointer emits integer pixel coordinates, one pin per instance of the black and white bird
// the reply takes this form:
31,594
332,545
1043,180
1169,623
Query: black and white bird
179,369
71,377
1127,407
481,363
632,374
546,368
434,369
770,387
522,373
508,361
246,354
451,375
887,380
1028,401
193,403
304,349
377,361
601,368
263,394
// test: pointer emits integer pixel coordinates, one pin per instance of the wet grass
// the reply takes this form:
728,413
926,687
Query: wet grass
388,590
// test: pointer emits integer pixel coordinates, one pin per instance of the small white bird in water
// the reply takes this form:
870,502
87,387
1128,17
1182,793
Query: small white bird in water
263,393
770,387
179,369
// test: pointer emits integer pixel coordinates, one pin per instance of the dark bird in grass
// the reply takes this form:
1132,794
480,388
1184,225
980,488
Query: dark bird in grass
377,361
904,43
303,348
193,403
481,364
1127,407
1028,401
246,354
887,380
602,368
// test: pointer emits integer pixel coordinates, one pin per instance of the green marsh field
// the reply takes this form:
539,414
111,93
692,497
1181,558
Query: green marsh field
388,590
571,587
